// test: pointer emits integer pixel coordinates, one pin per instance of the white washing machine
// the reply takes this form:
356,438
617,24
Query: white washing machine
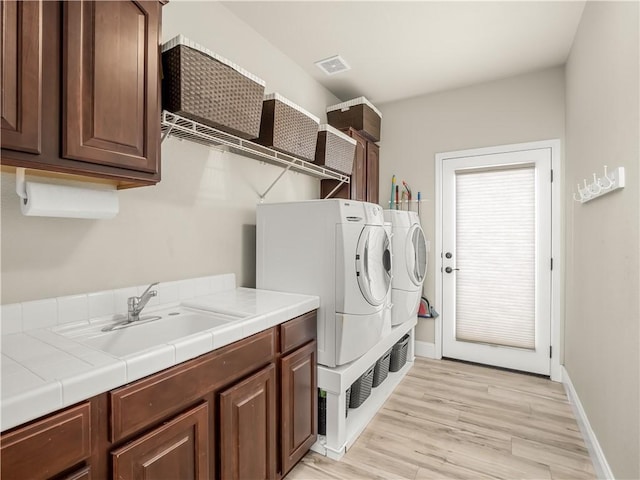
410,250
338,250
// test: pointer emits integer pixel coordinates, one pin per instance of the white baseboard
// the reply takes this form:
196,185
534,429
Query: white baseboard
425,349
603,471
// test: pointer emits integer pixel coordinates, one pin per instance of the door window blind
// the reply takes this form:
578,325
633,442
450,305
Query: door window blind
495,250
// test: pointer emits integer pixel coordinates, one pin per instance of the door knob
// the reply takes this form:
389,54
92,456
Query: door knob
449,269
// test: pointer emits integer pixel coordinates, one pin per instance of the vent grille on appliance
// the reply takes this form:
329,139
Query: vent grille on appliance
333,65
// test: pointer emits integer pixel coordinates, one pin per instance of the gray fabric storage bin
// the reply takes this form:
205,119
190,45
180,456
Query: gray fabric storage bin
361,388
399,354
381,369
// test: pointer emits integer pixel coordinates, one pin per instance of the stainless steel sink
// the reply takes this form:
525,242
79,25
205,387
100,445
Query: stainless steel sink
155,328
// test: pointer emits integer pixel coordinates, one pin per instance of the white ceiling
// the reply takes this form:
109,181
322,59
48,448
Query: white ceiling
403,49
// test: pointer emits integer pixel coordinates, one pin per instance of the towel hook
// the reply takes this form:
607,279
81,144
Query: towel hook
583,194
610,181
595,187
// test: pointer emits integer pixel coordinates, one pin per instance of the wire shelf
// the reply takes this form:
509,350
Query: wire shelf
176,126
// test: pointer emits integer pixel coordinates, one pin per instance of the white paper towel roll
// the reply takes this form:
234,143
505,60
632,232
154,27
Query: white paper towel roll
47,200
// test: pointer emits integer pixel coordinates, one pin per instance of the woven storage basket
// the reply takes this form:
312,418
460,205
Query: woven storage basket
205,87
335,150
381,369
359,114
399,354
288,128
361,388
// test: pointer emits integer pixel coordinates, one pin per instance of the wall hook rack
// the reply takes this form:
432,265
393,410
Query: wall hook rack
608,183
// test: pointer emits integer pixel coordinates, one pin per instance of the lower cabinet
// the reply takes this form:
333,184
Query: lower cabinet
177,449
49,447
243,411
248,428
298,405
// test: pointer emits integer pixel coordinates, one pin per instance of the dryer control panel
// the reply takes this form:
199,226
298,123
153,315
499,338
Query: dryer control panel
354,211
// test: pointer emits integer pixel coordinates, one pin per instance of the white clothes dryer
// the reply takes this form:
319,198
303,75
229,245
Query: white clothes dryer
338,250
410,251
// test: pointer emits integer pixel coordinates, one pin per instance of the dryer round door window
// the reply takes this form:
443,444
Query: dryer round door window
416,255
373,264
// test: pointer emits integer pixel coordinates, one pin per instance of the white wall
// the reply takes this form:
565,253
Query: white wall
602,329
199,220
519,109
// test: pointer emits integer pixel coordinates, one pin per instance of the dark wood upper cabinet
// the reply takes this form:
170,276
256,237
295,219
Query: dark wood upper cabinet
88,103
21,64
110,83
373,172
359,175
178,449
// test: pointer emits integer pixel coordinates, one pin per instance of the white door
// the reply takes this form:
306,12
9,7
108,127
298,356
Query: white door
496,259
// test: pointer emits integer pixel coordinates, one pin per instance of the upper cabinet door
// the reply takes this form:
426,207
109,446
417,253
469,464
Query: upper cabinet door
373,172
110,91
21,64
359,175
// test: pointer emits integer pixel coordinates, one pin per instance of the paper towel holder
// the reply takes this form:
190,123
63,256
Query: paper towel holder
64,201
21,188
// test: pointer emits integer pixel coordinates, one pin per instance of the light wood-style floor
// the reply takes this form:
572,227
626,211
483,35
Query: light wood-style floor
453,420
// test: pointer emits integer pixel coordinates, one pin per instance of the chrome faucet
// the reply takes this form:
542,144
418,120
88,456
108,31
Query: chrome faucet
136,304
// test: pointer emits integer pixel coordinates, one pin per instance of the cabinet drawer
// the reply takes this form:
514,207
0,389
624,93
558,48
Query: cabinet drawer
152,399
48,447
298,331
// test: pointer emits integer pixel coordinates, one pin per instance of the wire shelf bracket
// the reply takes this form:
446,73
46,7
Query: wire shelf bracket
174,125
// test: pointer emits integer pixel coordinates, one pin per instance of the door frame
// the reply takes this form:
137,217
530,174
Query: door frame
557,273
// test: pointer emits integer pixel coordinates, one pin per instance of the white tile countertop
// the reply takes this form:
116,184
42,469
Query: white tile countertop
43,371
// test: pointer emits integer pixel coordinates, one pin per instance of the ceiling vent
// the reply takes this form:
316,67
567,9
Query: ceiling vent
333,65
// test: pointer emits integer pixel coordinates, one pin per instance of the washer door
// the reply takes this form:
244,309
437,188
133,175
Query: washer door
416,255
373,264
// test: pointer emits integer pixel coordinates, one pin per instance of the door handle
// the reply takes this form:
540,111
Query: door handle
449,269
